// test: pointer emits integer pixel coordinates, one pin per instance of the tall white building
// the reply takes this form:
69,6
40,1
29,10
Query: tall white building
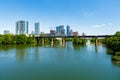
37,28
21,27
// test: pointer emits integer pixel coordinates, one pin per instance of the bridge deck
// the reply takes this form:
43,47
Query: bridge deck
91,36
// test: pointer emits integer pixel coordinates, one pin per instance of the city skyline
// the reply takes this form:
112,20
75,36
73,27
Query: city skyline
89,16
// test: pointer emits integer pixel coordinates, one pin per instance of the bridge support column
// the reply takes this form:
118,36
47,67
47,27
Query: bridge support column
52,41
43,41
96,42
63,41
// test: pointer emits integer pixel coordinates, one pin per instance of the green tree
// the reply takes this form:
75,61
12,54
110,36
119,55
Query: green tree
7,39
21,39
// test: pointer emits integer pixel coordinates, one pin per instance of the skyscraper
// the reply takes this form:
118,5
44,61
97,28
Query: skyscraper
62,30
20,27
68,30
37,28
57,29
71,32
27,27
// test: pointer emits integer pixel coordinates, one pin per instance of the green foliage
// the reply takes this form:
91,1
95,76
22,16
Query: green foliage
9,39
115,58
93,40
69,39
79,41
47,40
56,41
21,39
117,34
117,53
113,43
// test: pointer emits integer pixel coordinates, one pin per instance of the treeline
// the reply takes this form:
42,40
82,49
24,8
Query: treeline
79,41
9,39
114,44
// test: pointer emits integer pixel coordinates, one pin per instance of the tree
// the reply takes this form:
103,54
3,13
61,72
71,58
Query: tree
7,39
21,39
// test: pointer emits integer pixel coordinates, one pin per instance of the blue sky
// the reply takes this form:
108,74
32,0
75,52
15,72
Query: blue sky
92,17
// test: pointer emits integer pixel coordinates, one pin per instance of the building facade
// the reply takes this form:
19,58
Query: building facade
21,27
37,28
61,30
75,33
27,29
57,31
68,30
71,32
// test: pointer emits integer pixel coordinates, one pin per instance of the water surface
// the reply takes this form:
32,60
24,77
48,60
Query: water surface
57,63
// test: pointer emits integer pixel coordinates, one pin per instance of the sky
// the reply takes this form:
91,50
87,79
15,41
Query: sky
93,17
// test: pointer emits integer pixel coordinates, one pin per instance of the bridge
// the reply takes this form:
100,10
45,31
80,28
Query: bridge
63,38
88,36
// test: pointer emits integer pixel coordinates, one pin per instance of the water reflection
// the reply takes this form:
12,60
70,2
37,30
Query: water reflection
37,53
96,48
21,53
115,64
33,52
7,47
72,62
76,47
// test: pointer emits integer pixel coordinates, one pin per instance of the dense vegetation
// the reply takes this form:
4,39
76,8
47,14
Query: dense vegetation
48,41
114,44
9,39
69,39
99,40
79,41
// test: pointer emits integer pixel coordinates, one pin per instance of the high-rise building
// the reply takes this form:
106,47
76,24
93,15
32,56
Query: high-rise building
62,30
27,27
37,28
52,32
68,30
71,32
21,27
57,30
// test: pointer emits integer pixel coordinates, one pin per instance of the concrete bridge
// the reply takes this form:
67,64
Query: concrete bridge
63,38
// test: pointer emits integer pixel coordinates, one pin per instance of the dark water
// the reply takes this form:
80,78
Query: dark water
57,63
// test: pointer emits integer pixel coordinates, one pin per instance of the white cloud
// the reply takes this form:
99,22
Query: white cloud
102,25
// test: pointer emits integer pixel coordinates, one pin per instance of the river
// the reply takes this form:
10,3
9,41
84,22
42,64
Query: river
88,62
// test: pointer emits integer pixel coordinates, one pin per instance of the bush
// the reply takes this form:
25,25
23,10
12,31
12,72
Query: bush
79,41
115,58
117,53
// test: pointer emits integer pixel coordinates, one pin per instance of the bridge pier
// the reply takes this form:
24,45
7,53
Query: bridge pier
52,41
96,41
63,41
43,41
